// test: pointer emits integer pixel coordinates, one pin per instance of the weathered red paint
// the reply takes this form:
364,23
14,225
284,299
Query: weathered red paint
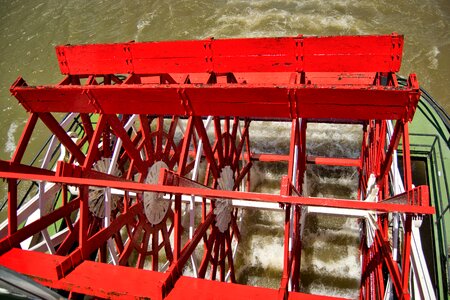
286,54
346,79
214,194
259,100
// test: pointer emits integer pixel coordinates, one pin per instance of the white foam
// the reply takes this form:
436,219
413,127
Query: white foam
10,144
267,252
280,18
345,262
321,289
270,136
143,22
351,224
343,181
343,22
432,56
343,266
273,217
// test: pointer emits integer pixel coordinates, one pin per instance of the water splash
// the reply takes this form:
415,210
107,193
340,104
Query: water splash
10,144
432,56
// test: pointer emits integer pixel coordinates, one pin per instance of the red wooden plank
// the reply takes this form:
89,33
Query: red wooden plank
288,54
90,278
302,296
214,194
189,288
40,266
254,55
258,101
353,53
178,57
93,59
109,281
57,100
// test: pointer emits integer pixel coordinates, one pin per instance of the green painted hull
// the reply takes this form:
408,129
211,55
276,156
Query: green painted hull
430,152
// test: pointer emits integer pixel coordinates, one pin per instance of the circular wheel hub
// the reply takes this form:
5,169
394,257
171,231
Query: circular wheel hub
155,206
97,195
224,208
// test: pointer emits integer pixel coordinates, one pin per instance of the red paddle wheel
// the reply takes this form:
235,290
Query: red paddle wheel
140,188
227,170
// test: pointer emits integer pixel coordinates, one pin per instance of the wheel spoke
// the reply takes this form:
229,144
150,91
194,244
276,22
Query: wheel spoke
206,146
167,247
242,142
207,255
226,138
159,137
123,258
148,142
230,257
171,135
143,255
223,256
235,228
218,144
242,174
215,257
155,251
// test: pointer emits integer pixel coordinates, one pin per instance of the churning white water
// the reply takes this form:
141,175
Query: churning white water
330,262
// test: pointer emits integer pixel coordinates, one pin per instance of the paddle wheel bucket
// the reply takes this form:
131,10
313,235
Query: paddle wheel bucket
139,191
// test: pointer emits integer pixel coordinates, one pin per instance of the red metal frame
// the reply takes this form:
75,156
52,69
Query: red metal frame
294,79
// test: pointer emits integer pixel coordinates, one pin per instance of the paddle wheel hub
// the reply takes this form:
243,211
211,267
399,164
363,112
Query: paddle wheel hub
155,206
224,208
153,187
97,195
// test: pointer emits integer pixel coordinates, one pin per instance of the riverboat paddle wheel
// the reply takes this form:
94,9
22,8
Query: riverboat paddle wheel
139,191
